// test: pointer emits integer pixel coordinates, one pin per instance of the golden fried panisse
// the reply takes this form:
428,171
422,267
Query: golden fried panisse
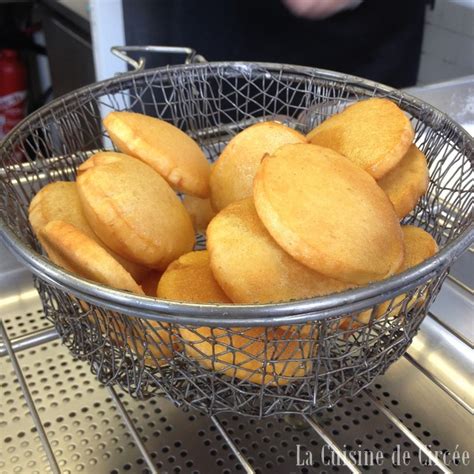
60,201
103,158
419,246
328,214
233,173
189,279
238,353
374,134
407,182
135,212
164,147
252,268
265,356
70,248
200,211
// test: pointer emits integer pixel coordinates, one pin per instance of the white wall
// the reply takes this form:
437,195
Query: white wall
448,42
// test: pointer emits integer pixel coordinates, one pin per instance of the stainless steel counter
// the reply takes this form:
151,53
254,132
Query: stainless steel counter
454,97
422,406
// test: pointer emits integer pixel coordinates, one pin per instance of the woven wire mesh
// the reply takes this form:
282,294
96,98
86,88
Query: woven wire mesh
255,370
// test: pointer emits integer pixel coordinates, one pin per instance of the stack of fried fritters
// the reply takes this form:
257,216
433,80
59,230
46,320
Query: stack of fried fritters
287,217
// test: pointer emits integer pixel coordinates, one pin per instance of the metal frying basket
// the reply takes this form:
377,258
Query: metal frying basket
257,360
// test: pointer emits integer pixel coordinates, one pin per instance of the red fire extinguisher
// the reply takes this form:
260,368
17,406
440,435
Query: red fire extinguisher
12,90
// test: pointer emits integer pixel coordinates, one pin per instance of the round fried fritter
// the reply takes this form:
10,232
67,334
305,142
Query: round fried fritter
60,201
70,248
164,147
407,182
419,246
374,134
269,356
252,268
233,173
328,214
135,211
189,279
103,158
265,356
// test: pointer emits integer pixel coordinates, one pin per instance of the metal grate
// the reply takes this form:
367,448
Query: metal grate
21,324
88,434
83,425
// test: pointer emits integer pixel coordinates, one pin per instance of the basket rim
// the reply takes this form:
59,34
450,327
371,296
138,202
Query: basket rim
271,314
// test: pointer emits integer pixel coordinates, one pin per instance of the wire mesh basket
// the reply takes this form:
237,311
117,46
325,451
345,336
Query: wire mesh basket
257,360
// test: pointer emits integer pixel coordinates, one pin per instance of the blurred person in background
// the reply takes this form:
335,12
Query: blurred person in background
375,39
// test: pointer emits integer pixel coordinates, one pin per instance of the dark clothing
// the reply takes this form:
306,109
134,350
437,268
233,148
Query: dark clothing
379,40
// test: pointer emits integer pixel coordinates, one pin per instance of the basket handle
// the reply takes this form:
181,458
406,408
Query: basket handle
122,53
